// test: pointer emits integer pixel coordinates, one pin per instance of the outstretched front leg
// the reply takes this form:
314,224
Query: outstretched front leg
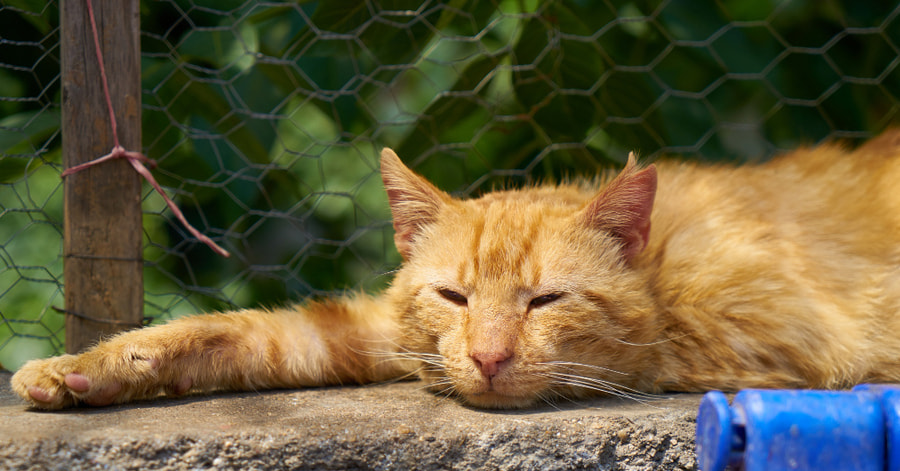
332,342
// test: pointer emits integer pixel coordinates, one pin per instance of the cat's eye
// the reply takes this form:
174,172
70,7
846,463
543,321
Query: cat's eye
453,296
544,300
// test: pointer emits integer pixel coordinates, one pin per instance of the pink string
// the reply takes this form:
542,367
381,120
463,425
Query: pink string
136,159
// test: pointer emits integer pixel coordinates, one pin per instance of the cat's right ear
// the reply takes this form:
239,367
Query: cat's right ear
414,201
623,207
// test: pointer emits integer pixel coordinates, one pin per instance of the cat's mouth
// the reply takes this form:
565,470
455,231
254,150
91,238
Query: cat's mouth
512,388
499,393
492,399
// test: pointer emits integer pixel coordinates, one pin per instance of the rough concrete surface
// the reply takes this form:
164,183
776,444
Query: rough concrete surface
391,426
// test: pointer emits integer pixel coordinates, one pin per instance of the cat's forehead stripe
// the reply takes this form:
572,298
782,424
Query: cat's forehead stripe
477,230
503,240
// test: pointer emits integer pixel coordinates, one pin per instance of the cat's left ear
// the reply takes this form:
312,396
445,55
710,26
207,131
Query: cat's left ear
414,201
623,207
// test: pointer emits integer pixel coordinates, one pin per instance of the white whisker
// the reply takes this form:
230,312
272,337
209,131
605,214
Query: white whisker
404,354
603,382
547,398
581,365
600,385
446,390
439,385
631,344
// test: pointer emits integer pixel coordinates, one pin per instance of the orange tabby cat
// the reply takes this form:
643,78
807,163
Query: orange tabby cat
671,277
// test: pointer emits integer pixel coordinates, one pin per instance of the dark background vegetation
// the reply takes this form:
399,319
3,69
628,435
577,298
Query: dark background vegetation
266,119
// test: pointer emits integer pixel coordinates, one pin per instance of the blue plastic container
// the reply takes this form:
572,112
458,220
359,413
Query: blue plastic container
801,430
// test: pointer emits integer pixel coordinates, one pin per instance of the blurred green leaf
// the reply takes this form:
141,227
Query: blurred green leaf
39,14
555,76
28,128
208,110
466,17
450,109
22,134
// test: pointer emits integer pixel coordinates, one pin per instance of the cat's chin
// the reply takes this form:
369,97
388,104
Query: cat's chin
496,400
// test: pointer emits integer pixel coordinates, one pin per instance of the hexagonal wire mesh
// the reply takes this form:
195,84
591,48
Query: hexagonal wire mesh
266,119
30,187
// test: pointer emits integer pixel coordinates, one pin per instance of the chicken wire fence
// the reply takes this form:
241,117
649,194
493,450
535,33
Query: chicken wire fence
266,119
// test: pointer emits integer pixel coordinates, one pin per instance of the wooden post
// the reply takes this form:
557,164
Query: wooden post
103,264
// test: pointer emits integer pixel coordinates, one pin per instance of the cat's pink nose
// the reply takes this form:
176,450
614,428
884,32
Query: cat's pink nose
490,363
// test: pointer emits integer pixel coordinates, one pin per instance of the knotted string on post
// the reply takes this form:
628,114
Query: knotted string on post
136,159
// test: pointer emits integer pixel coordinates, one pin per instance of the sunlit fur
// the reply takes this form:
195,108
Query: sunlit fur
784,274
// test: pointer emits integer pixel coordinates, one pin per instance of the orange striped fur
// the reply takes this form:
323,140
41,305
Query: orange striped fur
675,276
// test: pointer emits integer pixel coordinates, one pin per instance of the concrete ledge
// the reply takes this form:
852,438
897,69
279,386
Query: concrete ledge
393,426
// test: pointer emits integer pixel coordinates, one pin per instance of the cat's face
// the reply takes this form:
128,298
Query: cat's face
517,297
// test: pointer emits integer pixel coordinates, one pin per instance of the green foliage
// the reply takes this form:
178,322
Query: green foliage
267,118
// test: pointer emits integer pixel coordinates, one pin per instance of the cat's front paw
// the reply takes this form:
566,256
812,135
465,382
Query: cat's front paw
56,383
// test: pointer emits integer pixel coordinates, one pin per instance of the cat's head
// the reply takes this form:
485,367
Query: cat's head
524,295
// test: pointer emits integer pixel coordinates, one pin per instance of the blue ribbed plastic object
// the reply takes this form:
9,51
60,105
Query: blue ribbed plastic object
801,430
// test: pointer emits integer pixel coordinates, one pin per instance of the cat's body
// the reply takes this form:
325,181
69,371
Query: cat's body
785,274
